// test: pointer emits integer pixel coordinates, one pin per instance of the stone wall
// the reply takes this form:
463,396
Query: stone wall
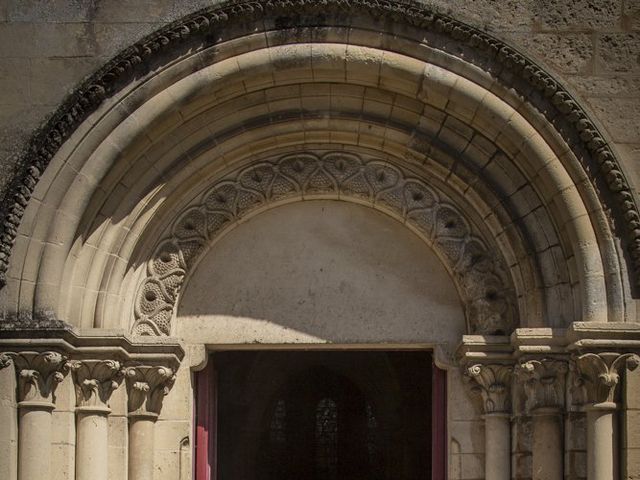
591,46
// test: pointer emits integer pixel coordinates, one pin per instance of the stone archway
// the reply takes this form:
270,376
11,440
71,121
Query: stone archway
426,89
446,129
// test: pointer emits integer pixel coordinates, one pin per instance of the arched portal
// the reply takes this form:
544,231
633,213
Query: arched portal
456,193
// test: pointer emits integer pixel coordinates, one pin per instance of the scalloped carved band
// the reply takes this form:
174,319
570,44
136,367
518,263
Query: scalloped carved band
478,271
598,159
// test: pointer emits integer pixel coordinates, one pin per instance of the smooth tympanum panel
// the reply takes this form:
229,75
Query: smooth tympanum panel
320,271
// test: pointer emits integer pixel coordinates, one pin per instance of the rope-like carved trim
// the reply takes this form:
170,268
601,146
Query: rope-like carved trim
600,164
479,274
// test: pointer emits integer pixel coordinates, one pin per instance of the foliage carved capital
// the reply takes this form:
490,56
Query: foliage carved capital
543,382
38,375
95,381
493,383
5,360
146,388
598,375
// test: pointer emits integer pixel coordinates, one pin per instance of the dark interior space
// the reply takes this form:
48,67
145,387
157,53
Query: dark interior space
323,415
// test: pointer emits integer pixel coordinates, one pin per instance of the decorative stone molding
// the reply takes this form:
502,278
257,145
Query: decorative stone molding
95,381
599,375
195,31
38,375
544,383
146,388
493,383
479,272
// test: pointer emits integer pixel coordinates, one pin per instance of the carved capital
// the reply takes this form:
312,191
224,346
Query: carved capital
146,387
95,381
544,382
5,360
38,374
598,375
493,384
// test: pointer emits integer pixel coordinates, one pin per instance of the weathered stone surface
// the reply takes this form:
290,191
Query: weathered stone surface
631,153
568,53
618,53
508,15
620,117
608,86
577,14
631,15
42,11
14,80
31,40
50,79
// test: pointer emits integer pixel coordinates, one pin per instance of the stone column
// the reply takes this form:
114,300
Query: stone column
146,388
544,386
95,381
493,383
38,374
599,376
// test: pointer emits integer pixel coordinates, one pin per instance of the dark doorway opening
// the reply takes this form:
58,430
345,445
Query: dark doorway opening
318,415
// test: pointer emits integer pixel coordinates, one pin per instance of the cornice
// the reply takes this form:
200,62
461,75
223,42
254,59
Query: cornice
94,344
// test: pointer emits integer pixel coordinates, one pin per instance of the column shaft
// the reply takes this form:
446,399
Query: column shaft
547,444
141,447
601,444
92,445
497,446
34,441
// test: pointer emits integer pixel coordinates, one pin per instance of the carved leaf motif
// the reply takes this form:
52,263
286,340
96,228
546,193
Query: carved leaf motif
599,374
95,381
341,165
544,382
147,386
493,383
258,177
190,225
38,374
222,197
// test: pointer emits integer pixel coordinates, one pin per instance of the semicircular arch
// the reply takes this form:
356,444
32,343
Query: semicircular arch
432,92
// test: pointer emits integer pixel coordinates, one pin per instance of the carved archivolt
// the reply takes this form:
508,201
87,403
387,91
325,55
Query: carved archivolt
478,272
197,31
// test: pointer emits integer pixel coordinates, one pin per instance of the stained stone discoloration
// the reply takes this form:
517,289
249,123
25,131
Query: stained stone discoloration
619,53
621,115
627,87
577,14
571,53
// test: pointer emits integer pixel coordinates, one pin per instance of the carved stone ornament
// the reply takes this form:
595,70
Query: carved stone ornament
480,273
5,360
38,375
493,383
146,388
204,28
544,383
599,375
95,381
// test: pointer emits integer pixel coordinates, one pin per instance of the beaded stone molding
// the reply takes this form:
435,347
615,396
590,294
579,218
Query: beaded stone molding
479,274
201,29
